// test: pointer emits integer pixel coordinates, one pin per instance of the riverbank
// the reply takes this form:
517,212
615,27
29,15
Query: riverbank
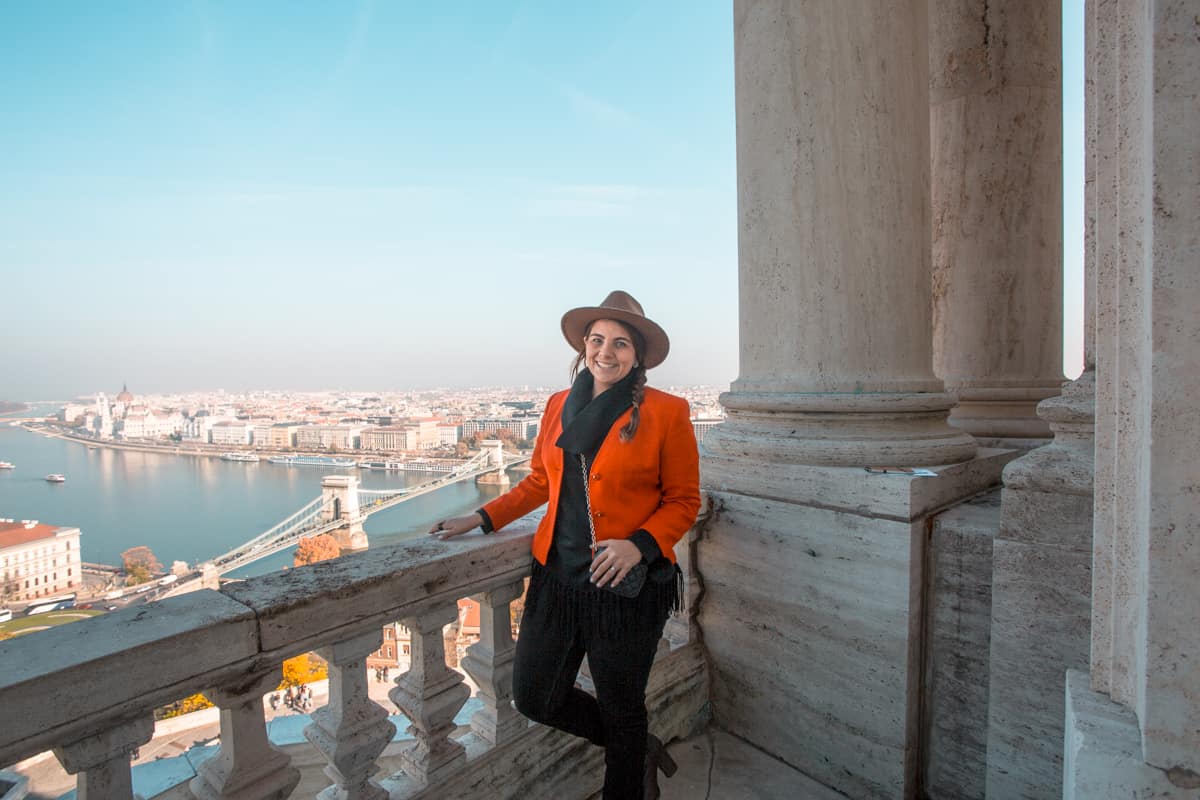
210,451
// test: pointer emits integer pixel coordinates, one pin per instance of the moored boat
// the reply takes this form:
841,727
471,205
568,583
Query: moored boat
313,461
247,457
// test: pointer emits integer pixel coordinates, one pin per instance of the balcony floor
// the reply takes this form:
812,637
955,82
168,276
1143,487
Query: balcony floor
739,771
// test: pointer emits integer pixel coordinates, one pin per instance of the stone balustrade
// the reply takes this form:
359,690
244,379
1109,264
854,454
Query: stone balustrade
88,690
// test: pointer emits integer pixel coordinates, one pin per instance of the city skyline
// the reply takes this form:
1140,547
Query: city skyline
295,199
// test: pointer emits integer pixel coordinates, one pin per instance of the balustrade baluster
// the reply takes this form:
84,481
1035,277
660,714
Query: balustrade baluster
431,694
352,730
247,767
490,663
102,760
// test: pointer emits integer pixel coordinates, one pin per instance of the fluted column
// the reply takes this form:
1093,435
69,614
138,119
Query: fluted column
352,730
489,662
248,766
102,760
996,120
834,255
431,694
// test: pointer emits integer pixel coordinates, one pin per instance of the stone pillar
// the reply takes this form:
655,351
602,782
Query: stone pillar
352,729
833,252
810,561
247,765
102,760
1135,730
996,120
495,450
340,496
1041,599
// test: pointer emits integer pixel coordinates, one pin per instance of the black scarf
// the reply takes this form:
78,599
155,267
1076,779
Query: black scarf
587,420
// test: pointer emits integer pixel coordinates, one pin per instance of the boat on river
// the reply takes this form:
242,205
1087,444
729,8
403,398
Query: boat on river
56,477
7,465
249,458
312,461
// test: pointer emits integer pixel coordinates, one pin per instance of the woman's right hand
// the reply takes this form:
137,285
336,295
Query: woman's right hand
456,526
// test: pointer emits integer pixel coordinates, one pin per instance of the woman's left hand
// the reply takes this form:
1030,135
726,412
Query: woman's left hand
614,558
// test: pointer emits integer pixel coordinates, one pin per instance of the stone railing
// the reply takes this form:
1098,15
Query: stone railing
88,690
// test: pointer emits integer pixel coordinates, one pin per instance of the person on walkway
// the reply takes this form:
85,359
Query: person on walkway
616,462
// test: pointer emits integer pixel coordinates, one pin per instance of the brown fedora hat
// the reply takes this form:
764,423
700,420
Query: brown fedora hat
619,306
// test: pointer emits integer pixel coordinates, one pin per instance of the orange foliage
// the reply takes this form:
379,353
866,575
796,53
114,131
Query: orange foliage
304,668
312,549
187,705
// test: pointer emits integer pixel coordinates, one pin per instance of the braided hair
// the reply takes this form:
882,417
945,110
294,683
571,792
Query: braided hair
639,375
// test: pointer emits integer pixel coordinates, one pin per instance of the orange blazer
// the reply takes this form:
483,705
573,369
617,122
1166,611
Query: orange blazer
651,482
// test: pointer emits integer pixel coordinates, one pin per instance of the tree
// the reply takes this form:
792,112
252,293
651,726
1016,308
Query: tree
140,564
462,450
312,549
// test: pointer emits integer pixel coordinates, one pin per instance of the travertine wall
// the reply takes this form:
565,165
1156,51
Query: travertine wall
955,691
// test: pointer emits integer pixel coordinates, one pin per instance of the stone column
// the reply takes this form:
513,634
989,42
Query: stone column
102,760
834,256
808,560
996,120
1134,729
1041,599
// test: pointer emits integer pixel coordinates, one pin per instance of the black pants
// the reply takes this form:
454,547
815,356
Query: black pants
553,641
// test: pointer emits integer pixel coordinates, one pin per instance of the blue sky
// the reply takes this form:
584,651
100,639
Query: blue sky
364,195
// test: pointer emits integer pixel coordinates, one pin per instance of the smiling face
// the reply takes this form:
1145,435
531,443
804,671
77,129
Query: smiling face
609,353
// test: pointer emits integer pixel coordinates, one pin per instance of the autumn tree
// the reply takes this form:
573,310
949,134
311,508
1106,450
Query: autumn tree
139,564
312,549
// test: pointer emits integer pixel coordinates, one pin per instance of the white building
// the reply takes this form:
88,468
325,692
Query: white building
231,433
37,560
449,435
328,437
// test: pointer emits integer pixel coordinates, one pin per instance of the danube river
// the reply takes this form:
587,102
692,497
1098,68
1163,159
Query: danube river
188,508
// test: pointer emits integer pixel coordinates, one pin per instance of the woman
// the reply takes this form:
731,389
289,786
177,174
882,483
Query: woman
617,464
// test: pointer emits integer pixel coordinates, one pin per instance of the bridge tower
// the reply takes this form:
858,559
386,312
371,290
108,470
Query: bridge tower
340,496
495,450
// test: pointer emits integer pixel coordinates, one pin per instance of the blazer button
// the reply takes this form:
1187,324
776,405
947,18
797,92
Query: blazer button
595,476
599,514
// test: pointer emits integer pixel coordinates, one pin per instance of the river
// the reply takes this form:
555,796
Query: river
190,508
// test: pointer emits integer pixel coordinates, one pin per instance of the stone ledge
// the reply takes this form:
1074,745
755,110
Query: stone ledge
71,681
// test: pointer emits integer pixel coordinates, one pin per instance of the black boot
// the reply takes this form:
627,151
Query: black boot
657,759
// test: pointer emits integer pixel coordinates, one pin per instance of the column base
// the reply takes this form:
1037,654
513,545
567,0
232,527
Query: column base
840,429
1103,752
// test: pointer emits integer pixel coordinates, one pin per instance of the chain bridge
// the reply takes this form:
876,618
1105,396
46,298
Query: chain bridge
342,507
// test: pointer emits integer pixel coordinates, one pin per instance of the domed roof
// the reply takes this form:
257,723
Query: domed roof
125,397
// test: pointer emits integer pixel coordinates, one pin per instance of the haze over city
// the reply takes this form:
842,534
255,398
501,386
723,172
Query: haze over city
370,196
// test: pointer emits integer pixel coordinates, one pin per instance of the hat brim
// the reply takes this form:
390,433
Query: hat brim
575,323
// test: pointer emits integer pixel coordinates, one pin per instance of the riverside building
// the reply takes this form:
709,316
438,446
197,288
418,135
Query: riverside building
37,560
